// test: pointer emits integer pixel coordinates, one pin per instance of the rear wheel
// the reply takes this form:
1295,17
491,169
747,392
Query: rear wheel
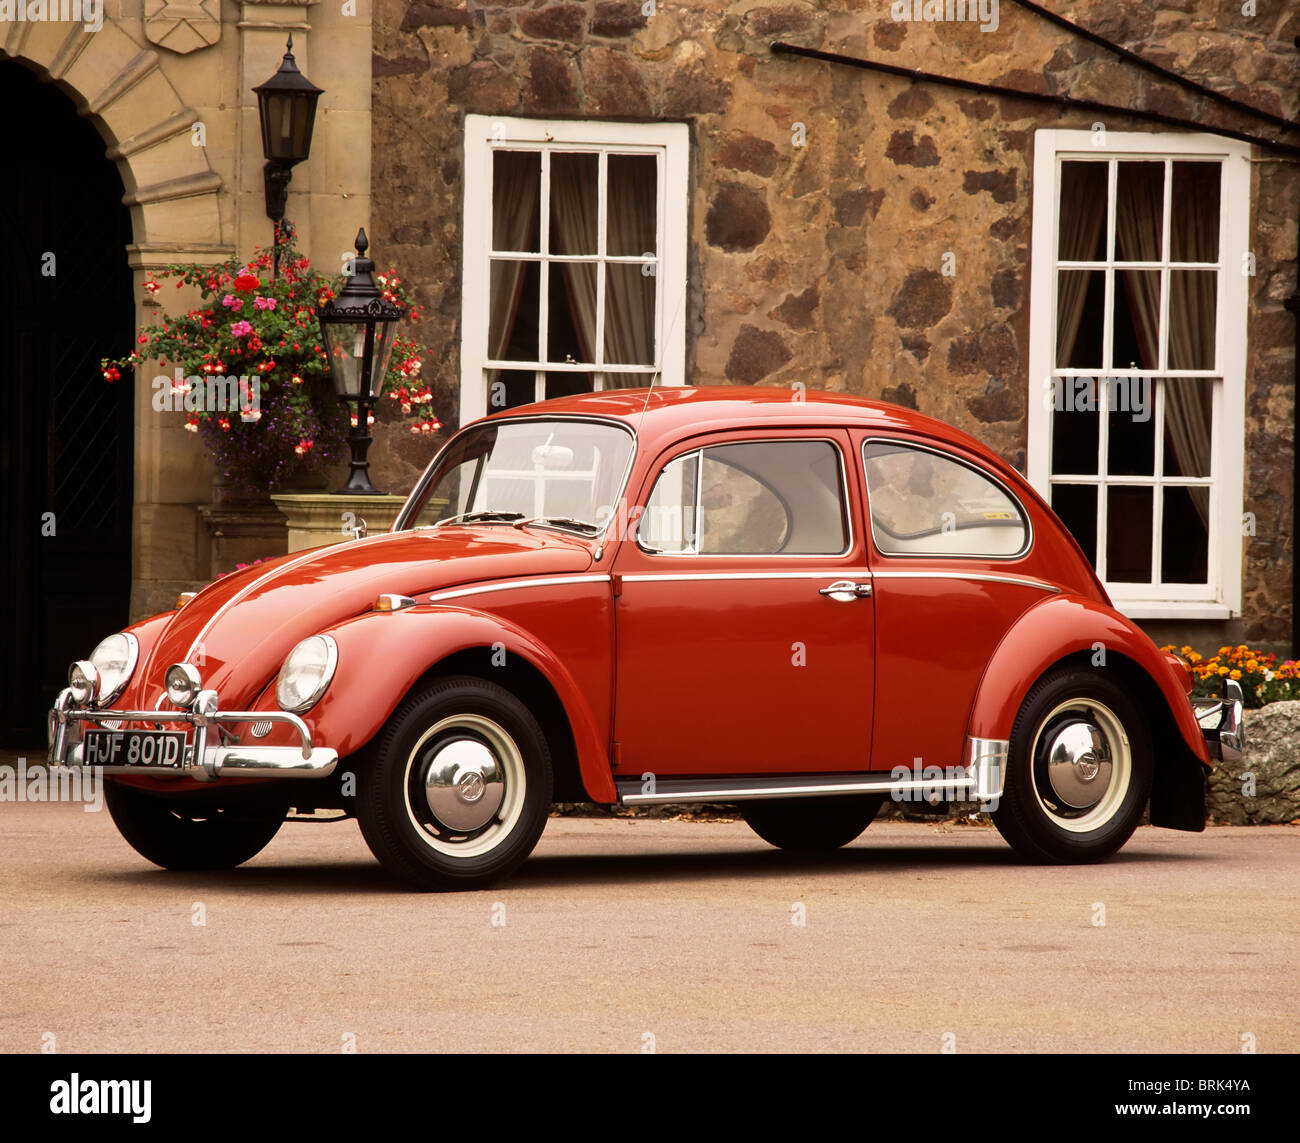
1078,771
458,788
189,839
810,825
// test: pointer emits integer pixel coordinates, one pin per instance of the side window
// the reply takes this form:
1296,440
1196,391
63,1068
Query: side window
923,504
755,499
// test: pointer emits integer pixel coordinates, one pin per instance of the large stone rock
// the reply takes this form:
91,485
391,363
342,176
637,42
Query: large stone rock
1264,787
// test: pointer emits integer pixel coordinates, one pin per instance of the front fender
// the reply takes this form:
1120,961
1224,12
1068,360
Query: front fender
1064,625
383,654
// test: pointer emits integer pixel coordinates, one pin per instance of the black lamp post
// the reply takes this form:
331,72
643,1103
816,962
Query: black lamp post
286,109
357,329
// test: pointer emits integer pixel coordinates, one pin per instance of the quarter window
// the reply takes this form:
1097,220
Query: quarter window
923,504
758,498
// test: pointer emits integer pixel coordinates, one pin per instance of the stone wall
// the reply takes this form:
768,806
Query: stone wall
824,199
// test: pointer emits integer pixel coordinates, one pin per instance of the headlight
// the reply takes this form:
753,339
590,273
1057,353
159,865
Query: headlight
83,682
183,683
306,673
115,660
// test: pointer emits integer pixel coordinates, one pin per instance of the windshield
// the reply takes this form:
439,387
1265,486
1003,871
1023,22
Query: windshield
518,470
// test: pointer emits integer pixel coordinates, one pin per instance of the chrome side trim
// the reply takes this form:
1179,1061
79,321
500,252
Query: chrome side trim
688,576
508,585
787,786
989,577
986,760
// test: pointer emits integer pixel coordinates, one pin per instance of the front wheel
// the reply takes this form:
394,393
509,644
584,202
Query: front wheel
458,788
186,839
1078,771
811,825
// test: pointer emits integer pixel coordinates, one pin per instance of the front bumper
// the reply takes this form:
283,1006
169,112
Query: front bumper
204,761
1223,722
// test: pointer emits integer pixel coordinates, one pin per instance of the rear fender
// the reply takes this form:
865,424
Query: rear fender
1065,626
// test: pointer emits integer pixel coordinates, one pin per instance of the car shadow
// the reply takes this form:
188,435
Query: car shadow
568,870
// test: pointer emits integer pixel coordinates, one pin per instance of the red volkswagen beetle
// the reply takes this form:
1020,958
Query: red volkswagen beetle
797,602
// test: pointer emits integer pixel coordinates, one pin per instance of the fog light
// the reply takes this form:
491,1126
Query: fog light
183,683
83,681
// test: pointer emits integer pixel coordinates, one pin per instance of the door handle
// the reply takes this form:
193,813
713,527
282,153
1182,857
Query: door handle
846,590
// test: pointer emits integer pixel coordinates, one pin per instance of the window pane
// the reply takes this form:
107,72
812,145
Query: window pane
516,183
1194,213
1080,303
1193,295
1185,535
1189,424
925,504
1139,211
1131,427
1135,329
568,384
668,522
1076,505
739,514
1075,426
629,315
627,380
574,200
508,388
633,189
1128,535
512,325
571,321
1081,236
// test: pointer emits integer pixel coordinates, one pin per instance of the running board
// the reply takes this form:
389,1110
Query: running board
638,792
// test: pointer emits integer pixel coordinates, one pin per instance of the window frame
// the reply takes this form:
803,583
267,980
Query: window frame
1221,597
484,134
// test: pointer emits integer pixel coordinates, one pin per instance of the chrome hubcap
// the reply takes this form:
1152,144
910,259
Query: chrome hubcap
465,783
1082,765
1079,766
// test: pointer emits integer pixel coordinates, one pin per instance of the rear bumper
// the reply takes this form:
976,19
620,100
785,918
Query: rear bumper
203,761
1223,722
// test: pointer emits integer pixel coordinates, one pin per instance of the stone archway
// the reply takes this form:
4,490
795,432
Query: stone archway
170,201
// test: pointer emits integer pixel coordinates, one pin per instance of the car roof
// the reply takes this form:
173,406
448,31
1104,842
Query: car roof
669,411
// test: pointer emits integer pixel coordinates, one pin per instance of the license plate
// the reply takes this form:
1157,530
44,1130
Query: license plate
148,749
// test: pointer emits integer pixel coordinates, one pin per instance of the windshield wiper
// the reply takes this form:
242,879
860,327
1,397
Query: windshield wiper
480,518
560,522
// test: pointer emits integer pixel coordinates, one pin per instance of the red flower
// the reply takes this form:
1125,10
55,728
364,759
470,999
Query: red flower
247,283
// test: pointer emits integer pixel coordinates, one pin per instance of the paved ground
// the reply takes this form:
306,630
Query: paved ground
619,934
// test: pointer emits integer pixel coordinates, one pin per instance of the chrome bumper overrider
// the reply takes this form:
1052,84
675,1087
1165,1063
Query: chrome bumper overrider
1223,722
203,761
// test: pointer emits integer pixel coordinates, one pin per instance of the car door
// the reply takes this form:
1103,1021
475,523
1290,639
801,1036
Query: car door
743,612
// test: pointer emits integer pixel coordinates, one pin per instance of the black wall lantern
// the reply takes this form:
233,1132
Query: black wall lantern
286,108
357,329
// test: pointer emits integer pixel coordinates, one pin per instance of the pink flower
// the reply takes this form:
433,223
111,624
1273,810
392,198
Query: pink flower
233,302
241,328
264,303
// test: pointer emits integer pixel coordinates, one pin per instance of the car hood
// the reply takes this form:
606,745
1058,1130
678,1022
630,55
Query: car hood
238,630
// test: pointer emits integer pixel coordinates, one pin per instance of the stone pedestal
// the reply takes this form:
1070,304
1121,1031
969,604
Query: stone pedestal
319,518
237,532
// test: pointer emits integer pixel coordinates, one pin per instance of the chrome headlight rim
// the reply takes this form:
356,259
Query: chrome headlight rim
328,662
111,683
